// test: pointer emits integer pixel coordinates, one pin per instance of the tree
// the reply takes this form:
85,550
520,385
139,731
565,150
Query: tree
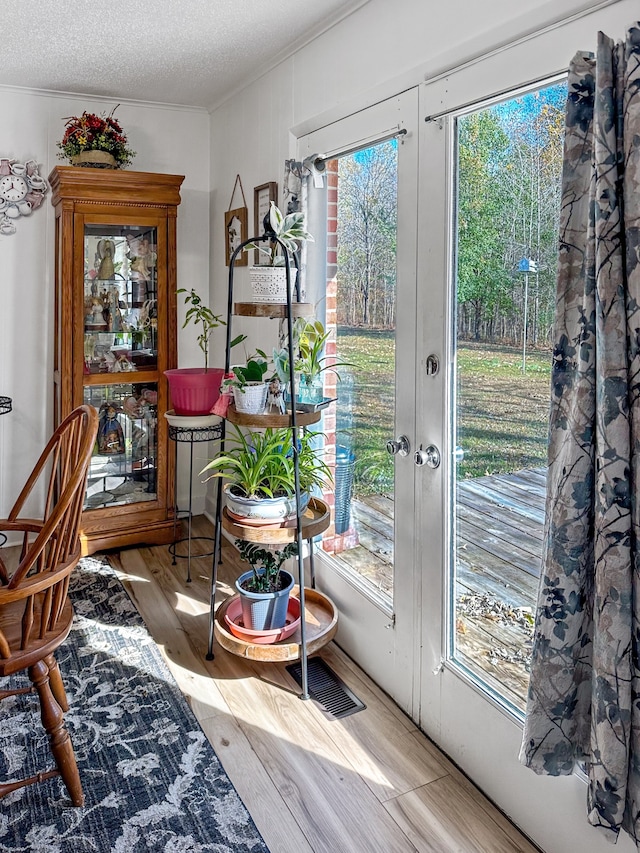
482,281
367,235
509,178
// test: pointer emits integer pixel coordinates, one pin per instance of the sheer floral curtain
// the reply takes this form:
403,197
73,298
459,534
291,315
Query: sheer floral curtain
584,696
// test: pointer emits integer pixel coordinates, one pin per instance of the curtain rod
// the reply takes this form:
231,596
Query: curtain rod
497,97
320,160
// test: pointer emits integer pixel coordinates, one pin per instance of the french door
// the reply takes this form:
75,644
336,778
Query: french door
468,318
364,207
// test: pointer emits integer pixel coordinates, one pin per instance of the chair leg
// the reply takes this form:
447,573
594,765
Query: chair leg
55,680
60,742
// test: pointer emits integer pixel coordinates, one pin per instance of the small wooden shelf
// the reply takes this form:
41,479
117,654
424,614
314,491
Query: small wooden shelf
271,420
321,622
273,310
315,520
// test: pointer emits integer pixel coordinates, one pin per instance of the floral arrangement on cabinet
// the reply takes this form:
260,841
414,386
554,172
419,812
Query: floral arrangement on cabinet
91,132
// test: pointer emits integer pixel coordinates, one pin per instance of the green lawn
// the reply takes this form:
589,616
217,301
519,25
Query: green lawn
503,412
502,417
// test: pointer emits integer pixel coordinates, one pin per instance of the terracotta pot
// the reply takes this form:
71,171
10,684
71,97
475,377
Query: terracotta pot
235,623
95,160
193,390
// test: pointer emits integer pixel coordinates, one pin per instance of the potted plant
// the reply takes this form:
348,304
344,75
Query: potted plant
259,468
269,282
264,590
194,390
309,340
248,385
96,141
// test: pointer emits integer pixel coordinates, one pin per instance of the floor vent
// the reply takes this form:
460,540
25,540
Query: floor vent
329,691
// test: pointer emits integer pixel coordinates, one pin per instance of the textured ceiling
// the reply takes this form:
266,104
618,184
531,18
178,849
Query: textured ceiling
192,52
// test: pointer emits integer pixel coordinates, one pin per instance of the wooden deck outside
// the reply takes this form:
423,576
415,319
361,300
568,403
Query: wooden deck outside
500,522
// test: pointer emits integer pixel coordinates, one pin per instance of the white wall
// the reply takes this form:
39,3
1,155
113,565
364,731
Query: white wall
169,140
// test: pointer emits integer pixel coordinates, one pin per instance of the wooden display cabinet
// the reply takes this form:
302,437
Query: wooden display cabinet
115,335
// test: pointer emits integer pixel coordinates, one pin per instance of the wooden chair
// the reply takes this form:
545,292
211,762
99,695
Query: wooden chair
35,612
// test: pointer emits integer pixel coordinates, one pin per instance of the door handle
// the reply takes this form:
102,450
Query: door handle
430,456
400,446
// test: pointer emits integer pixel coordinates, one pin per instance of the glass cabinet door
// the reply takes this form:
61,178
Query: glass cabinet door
123,465
120,340
120,299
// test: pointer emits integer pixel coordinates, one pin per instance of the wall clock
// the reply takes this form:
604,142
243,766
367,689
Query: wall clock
22,190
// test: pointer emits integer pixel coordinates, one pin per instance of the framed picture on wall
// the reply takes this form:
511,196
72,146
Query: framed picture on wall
235,223
262,197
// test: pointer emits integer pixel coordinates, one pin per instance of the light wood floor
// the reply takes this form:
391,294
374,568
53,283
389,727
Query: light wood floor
369,783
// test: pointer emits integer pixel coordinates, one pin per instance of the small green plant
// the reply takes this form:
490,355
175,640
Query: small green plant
265,564
260,464
289,229
253,371
201,315
309,340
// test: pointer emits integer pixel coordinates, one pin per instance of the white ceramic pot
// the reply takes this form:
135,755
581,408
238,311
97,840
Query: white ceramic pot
269,284
262,509
251,399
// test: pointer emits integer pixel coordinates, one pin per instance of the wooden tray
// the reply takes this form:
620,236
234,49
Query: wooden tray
271,420
321,621
274,310
315,520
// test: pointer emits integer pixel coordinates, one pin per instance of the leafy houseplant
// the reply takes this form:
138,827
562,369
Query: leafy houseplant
203,316
264,590
289,229
90,133
265,564
269,282
253,371
194,390
309,340
259,468
248,385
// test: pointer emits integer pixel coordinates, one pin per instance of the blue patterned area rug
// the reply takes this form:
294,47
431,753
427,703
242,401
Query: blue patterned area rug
151,780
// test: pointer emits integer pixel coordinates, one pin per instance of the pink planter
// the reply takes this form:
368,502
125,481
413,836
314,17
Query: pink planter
194,392
233,618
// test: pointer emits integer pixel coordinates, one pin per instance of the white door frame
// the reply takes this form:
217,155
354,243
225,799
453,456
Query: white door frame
385,642
475,730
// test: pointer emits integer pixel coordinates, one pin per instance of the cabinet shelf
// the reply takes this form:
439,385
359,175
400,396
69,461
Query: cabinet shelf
321,620
273,310
315,520
269,420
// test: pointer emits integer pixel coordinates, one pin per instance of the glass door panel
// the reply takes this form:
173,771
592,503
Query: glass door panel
509,160
365,215
365,297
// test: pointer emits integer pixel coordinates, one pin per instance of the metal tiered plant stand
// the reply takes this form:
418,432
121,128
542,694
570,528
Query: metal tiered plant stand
309,524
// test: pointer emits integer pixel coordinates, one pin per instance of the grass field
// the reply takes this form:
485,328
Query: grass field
502,412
